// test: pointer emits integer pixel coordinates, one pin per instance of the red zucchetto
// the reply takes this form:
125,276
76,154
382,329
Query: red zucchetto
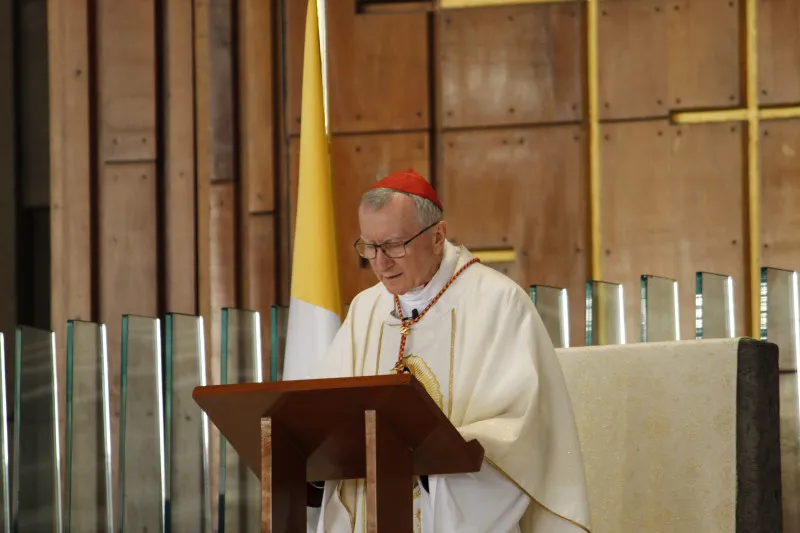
410,182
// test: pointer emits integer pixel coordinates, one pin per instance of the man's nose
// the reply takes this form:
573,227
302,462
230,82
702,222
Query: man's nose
381,260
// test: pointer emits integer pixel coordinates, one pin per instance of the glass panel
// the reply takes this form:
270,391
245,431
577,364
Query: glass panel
187,432
660,315
605,313
779,314
279,323
240,490
551,302
790,450
714,311
141,494
37,461
5,494
88,498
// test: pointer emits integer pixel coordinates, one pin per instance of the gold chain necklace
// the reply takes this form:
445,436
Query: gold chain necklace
405,329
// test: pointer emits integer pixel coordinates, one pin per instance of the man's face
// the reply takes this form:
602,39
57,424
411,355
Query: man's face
395,222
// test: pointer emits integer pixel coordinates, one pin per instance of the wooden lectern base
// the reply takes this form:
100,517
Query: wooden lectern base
283,487
388,465
293,432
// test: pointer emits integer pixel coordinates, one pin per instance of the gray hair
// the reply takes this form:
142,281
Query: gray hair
427,212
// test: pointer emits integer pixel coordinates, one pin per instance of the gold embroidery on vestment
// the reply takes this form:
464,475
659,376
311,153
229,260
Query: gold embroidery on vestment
420,370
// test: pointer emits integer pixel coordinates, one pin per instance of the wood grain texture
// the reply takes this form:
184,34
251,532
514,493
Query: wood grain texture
372,60
511,65
127,244
523,188
780,194
179,160
223,266
673,204
256,105
72,276
283,495
287,191
258,277
127,80
390,504
660,55
779,52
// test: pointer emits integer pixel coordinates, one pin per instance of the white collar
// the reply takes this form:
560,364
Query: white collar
420,297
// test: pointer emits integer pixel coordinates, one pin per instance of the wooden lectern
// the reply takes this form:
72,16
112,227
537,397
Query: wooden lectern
385,429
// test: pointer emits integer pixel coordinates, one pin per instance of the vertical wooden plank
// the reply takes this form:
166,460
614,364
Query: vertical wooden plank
256,104
259,287
127,211
223,267
72,275
204,158
179,174
215,120
287,191
257,160
216,191
126,81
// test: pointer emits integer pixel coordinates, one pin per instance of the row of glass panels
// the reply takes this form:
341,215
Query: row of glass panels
161,440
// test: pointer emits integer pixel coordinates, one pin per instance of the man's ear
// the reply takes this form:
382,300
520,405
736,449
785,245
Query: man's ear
441,233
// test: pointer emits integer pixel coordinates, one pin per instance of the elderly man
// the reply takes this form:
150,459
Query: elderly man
474,339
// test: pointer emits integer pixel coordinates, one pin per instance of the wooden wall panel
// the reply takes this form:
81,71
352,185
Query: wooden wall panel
71,167
779,51
256,105
179,167
523,188
372,60
127,80
672,204
257,161
259,291
216,164
780,196
511,65
72,273
287,191
658,55
223,267
127,225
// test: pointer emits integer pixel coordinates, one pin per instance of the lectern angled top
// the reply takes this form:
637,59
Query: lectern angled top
325,420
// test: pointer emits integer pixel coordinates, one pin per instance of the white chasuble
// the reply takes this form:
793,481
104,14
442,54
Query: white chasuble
484,356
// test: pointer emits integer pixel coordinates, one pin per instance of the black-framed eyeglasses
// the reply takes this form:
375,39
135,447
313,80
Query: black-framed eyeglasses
392,250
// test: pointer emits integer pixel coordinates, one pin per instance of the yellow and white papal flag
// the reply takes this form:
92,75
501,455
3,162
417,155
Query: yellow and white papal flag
315,306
